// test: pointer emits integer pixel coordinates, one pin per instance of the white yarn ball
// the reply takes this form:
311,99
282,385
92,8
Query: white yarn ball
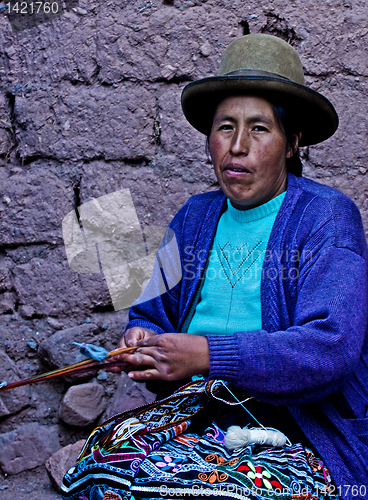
237,437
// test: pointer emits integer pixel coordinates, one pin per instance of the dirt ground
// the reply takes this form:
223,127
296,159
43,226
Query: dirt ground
28,485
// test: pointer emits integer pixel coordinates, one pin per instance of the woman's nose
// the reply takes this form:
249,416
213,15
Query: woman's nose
239,144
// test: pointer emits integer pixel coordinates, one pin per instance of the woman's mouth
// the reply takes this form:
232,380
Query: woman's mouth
235,170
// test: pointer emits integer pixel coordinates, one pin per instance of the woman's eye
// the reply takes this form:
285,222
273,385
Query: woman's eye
259,128
225,126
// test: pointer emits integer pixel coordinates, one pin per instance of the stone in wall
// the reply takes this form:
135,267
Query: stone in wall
47,284
58,350
5,274
55,324
347,147
61,461
14,400
157,189
146,185
163,42
6,131
128,395
178,137
32,206
334,36
146,45
5,41
85,122
83,404
182,180
15,332
7,302
27,447
331,37
64,49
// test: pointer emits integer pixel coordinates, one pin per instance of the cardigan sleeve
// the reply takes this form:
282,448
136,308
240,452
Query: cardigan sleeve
312,358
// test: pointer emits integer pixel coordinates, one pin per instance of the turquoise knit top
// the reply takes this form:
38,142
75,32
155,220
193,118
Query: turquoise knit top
230,299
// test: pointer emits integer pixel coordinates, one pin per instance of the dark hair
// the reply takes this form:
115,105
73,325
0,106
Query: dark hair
289,125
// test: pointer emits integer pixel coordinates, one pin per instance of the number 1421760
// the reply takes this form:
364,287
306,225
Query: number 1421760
32,8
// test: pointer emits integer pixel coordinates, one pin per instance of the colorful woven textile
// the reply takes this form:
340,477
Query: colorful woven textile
149,453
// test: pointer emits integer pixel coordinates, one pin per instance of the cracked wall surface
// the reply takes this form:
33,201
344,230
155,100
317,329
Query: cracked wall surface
90,104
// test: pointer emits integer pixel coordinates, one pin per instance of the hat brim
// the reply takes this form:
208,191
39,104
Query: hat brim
318,118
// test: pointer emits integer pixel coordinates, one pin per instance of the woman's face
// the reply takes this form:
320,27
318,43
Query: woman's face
248,151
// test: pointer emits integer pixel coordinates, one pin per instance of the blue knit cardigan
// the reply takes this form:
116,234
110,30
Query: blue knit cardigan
312,352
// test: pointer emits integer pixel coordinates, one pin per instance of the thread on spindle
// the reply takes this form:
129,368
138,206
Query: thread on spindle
92,351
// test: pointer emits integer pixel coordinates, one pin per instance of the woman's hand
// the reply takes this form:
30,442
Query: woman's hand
132,336
130,339
169,356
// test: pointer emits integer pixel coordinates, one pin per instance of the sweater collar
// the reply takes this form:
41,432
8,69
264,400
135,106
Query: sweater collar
256,213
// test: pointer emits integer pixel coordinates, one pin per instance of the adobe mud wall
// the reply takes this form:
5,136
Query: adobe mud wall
90,104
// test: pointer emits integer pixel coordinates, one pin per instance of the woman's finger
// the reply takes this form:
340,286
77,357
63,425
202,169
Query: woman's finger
149,341
141,375
121,345
118,369
139,358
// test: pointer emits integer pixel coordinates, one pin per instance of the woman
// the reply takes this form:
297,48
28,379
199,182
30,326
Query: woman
272,306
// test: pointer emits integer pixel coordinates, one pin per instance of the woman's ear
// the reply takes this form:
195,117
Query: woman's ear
292,150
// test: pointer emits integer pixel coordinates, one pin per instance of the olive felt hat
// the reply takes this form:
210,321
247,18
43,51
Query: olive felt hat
266,66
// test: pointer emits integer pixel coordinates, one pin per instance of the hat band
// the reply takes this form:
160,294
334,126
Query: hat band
257,73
